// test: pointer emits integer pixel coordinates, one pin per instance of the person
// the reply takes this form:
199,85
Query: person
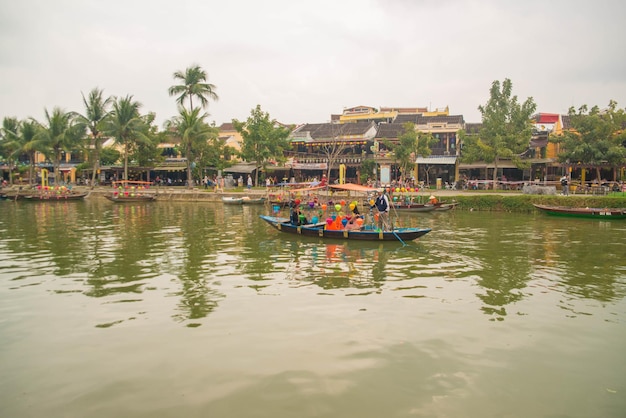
249,182
323,181
382,204
297,217
433,200
356,220
564,185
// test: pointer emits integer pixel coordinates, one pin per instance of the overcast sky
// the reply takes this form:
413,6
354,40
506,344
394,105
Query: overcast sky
305,60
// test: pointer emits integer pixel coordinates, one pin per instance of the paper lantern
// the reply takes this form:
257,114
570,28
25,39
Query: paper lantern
371,202
343,203
337,207
311,205
359,221
352,206
329,221
324,206
314,220
344,222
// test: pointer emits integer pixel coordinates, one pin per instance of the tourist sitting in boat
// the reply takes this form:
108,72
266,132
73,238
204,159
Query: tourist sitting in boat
297,217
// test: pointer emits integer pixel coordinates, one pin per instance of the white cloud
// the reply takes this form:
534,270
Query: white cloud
303,61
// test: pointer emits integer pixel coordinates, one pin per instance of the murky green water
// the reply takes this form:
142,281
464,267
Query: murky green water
200,310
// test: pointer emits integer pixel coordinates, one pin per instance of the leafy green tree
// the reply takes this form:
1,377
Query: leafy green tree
506,129
56,136
263,139
96,112
193,84
596,138
127,126
411,144
109,156
10,142
193,133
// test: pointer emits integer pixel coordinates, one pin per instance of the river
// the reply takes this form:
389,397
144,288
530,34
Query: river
196,309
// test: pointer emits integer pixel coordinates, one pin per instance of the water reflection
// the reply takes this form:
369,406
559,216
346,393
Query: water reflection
198,253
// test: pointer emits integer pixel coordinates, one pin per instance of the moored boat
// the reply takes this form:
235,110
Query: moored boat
45,196
232,200
366,233
247,200
595,213
123,198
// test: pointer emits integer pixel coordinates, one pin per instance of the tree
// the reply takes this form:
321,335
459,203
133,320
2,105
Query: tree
411,144
193,85
332,147
127,126
28,145
10,143
263,139
96,112
57,136
596,138
506,129
193,133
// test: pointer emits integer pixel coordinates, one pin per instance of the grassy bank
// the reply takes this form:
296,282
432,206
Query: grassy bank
524,203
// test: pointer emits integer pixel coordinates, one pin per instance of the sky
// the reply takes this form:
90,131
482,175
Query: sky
303,61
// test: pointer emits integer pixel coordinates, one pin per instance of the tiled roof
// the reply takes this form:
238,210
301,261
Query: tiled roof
405,118
333,130
389,130
473,128
423,120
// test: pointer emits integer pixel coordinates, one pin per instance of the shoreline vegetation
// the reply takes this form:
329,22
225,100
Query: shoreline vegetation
468,200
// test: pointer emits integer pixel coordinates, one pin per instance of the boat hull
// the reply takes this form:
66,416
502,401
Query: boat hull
594,213
131,199
34,197
318,231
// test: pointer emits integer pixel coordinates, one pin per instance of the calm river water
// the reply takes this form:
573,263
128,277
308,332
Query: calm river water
173,309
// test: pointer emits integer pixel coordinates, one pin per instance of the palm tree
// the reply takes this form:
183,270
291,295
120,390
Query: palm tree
9,142
56,136
96,112
127,126
28,144
189,127
193,84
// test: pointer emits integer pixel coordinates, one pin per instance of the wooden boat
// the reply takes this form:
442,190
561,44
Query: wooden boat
45,197
366,234
247,200
122,198
442,207
232,200
415,207
595,213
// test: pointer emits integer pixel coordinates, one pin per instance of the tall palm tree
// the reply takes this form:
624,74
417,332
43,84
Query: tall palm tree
28,144
193,84
127,126
57,135
96,111
9,142
189,127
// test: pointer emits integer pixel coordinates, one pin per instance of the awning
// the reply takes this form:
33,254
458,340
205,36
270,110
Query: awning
437,159
246,168
482,164
170,168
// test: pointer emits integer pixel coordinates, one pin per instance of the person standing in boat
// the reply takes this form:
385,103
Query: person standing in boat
382,204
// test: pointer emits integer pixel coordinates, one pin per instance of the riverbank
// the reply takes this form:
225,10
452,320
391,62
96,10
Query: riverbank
471,200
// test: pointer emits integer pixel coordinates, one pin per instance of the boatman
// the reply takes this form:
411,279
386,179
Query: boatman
382,204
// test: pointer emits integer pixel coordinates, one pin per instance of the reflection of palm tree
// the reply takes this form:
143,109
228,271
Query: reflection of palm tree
193,84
